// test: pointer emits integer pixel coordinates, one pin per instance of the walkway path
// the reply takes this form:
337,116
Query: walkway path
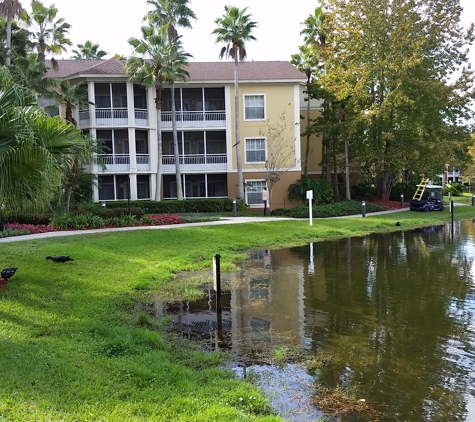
223,220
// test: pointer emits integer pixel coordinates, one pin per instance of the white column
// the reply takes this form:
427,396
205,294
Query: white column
92,108
133,187
130,104
132,151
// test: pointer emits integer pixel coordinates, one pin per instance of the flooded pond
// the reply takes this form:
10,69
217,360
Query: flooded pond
390,315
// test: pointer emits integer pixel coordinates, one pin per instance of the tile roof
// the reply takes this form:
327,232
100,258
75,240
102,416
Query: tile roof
199,71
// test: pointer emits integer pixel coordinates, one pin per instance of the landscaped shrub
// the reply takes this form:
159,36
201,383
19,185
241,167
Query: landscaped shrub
329,210
322,190
42,219
119,212
169,206
456,189
163,219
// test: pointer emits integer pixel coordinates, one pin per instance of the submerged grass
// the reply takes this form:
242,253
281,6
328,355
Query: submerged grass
77,346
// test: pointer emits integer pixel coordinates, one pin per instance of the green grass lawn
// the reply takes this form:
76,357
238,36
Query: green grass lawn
76,342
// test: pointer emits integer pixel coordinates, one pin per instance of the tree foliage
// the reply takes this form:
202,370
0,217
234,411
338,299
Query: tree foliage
402,69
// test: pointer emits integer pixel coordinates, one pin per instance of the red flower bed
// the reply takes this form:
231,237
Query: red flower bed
33,229
163,219
392,205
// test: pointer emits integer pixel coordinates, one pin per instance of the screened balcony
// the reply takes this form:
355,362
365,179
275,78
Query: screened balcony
199,151
194,108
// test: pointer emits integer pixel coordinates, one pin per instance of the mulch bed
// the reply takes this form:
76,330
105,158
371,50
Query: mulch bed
392,205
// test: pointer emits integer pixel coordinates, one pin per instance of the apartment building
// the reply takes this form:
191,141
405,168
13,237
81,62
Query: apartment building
124,116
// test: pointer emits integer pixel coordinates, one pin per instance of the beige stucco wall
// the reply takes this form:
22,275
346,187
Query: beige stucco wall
279,193
315,156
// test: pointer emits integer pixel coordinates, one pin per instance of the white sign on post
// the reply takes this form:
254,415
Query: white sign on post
310,197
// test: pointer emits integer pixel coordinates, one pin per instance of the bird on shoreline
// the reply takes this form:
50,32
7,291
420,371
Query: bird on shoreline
60,258
398,223
7,273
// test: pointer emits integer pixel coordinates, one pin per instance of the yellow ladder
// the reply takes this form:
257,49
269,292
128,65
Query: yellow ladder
420,189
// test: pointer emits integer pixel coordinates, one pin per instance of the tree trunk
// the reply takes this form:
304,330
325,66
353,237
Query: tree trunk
347,172
158,104
9,40
307,148
336,192
236,118
179,188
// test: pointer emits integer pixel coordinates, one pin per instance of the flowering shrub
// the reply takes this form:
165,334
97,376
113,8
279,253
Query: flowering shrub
30,228
163,219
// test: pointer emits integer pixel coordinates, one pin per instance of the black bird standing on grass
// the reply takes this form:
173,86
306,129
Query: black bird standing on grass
7,273
60,258
398,223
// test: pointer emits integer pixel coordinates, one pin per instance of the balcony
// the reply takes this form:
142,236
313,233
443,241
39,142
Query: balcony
198,162
113,162
194,119
143,162
113,117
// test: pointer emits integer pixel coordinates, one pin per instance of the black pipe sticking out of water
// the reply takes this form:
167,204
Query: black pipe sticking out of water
217,287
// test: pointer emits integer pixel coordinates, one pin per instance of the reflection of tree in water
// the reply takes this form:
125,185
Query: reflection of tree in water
392,321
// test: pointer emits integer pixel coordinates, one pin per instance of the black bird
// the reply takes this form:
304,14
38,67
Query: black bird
7,273
60,258
398,223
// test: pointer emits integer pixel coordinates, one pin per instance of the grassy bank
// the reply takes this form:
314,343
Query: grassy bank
76,341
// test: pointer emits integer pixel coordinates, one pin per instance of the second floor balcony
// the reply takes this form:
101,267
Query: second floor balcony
113,117
195,162
195,119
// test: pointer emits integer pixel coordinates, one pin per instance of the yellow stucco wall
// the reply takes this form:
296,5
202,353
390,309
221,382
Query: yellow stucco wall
315,156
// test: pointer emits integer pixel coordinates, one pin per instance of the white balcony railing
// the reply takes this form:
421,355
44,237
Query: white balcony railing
198,162
113,162
111,116
143,162
141,117
195,119
83,118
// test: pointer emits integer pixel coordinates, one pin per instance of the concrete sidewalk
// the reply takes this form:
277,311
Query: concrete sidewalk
222,221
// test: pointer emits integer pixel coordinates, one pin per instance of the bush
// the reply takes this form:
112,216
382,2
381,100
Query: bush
167,206
328,210
119,212
322,190
163,219
26,219
456,189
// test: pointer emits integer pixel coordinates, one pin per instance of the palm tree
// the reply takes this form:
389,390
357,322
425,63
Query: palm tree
88,51
18,41
30,72
49,34
151,71
10,9
32,145
234,28
307,63
173,13
72,97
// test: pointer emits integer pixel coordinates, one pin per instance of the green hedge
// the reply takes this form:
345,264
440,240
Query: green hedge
328,210
178,207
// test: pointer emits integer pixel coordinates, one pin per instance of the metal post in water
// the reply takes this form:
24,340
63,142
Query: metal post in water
217,283
452,212
363,208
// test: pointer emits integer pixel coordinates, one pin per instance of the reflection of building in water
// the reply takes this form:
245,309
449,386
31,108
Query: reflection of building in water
268,300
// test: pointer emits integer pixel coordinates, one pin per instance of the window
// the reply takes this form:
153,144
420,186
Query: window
141,146
254,190
255,150
254,108
103,101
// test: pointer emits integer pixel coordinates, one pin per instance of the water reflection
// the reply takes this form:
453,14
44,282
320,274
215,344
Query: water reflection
394,312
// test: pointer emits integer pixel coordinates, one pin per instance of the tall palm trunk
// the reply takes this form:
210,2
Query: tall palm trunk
347,172
9,40
236,118
307,148
179,188
158,104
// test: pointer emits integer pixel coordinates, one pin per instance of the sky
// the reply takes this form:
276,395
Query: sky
110,23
